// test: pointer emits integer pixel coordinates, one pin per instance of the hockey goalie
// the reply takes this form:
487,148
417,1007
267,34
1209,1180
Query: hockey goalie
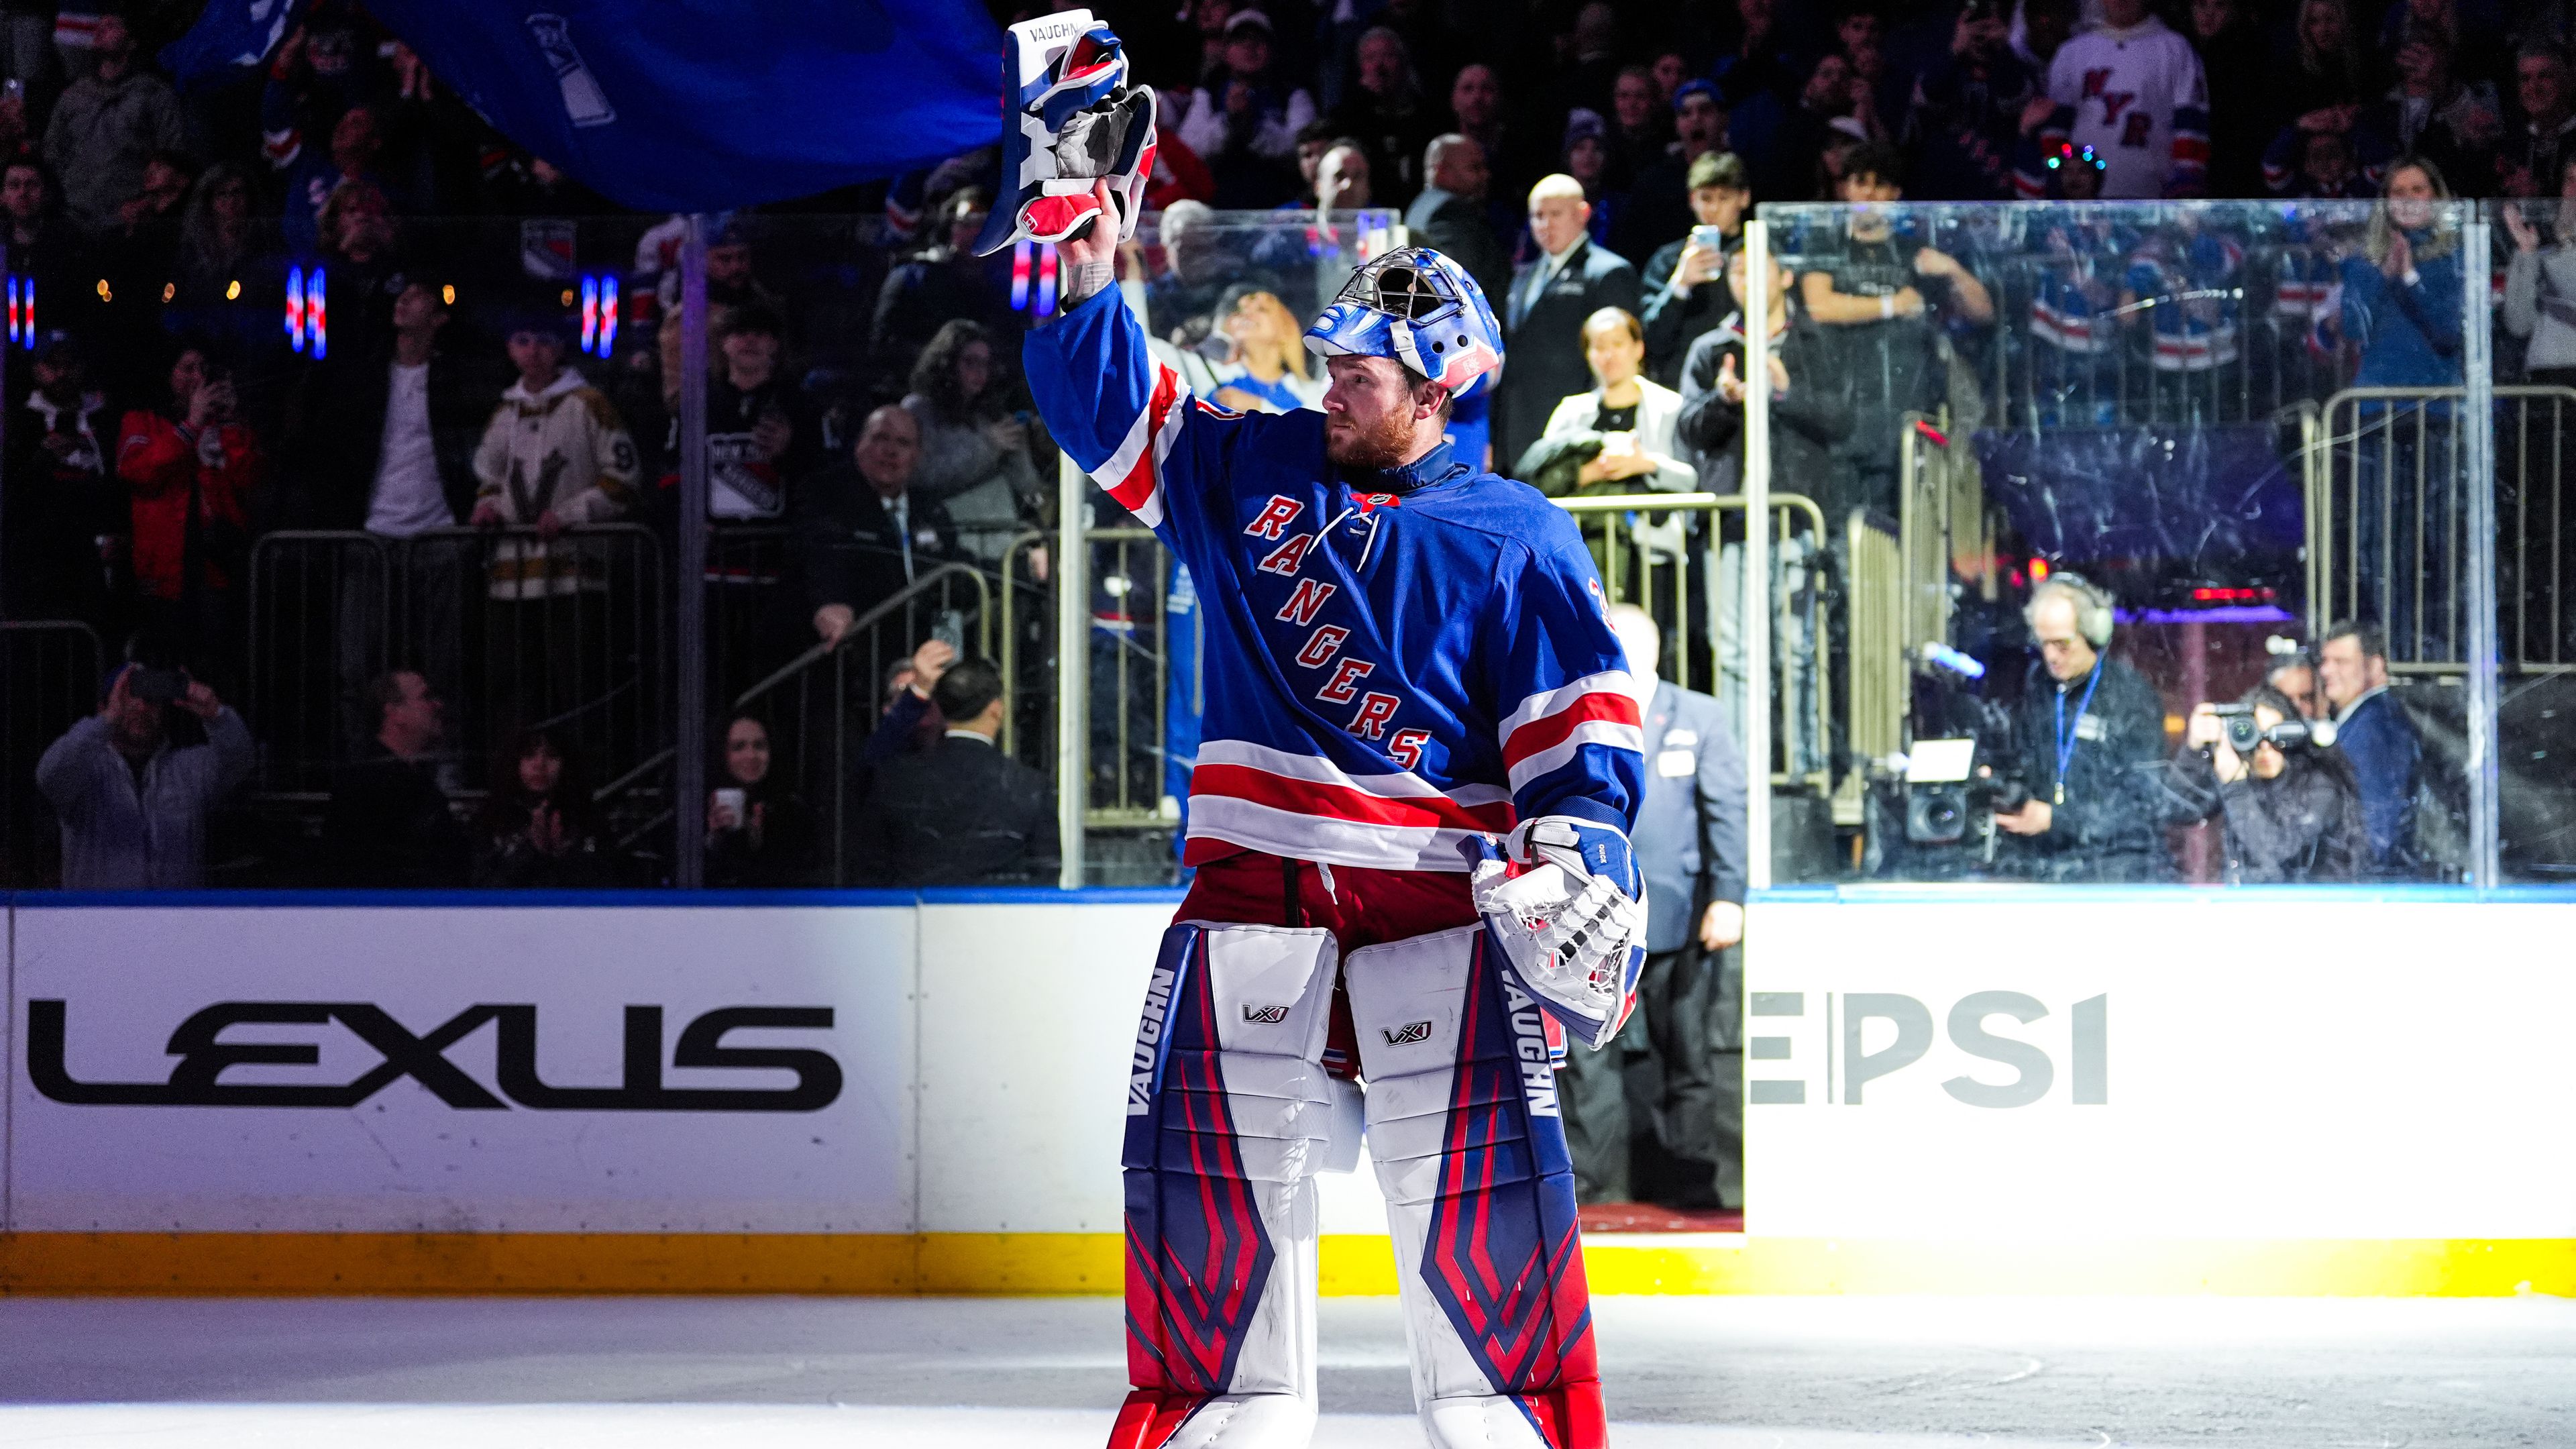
1408,820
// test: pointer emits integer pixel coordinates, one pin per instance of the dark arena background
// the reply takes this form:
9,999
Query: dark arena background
587,797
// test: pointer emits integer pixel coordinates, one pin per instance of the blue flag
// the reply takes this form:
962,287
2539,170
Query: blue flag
689,105
700,105
229,38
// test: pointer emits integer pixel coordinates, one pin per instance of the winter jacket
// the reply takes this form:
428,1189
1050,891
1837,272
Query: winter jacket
2109,824
2299,826
190,496
1574,424
1807,421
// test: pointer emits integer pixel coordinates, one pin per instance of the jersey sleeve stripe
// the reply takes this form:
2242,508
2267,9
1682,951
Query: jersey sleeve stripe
1609,733
1598,703
1548,701
1134,474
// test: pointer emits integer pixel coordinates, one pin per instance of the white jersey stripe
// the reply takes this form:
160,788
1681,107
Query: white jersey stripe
1398,785
1547,702
1590,732
1326,841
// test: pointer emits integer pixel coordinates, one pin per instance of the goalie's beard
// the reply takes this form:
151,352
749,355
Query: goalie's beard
1383,444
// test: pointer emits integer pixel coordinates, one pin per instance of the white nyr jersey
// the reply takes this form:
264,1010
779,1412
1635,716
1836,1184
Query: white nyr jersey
2137,97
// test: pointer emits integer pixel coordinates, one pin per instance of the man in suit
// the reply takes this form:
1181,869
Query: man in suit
1550,298
861,536
2374,733
1449,215
961,812
1658,1114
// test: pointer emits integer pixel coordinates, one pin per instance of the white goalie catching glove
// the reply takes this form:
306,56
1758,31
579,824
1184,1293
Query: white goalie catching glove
1563,903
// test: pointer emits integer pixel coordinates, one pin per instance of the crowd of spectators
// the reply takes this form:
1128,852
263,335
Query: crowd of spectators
172,399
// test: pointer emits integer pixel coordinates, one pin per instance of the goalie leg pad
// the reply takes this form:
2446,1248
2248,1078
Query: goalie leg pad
1464,1128
1229,1116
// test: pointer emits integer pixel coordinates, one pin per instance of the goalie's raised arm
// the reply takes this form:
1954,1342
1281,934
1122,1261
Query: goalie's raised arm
1087,262
1124,416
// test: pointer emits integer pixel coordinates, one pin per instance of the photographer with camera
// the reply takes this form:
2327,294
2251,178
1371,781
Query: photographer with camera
133,794
2091,737
2292,811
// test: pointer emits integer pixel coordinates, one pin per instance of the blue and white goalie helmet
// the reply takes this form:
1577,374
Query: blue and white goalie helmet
1423,310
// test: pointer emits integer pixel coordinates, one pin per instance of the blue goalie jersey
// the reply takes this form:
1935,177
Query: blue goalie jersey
1395,661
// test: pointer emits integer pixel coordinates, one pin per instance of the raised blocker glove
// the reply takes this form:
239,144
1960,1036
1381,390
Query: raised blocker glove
1563,905
1074,120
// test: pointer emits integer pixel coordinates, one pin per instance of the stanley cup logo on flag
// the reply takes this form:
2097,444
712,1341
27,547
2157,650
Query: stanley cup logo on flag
584,102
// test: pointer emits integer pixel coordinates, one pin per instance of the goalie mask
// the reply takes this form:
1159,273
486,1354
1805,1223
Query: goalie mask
1423,310
1073,121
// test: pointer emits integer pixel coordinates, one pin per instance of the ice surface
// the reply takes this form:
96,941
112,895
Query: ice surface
1817,1373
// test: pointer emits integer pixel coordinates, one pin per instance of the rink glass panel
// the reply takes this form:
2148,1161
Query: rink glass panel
2223,414
512,631
2534,269
2165,400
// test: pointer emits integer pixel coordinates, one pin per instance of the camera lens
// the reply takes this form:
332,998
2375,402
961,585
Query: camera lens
2243,734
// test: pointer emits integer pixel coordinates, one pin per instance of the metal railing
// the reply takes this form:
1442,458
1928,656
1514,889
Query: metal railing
1665,553
50,672
1907,575
2388,523
1881,690
511,629
809,701
1129,655
2535,436
1945,532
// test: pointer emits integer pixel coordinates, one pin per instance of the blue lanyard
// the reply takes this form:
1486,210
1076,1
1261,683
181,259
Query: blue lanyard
2067,739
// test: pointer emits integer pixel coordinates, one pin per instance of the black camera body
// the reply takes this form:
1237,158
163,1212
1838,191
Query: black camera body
157,684
1951,812
2245,732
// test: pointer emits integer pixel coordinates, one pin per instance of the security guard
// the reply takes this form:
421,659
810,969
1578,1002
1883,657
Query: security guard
1658,1115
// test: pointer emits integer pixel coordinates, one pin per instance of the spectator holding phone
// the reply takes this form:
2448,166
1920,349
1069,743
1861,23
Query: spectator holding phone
961,812
132,799
1685,283
189,468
